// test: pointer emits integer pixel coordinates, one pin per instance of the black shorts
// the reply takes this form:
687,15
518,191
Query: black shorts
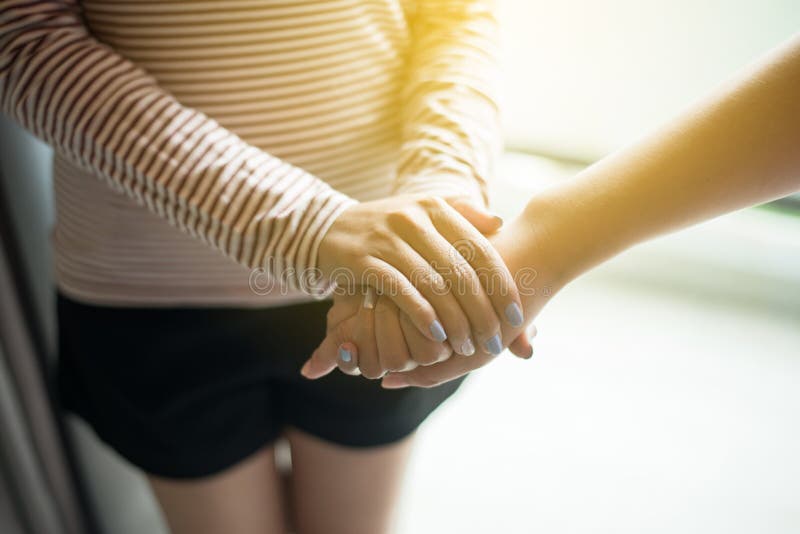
188,392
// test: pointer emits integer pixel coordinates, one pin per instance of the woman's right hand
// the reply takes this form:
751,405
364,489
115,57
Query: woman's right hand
433,263
377,339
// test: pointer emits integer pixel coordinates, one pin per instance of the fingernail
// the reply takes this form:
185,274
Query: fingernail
437,331
494,345
514,314
528,355
533,331
345,355
467,348
498,220
394,382
305,370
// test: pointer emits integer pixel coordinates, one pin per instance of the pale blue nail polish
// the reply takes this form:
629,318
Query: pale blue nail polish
437,331
514,314
494,345
345,355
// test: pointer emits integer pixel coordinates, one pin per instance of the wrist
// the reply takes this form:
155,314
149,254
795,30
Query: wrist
330,239
534,263
547,246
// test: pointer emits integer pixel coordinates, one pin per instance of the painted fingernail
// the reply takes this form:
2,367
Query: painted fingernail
345,355
494,345
437,331
467,348
394,382
514,314
532,331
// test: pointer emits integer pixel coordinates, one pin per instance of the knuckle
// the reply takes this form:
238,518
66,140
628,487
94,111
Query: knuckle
463,275
432,203
429,280
437,283
340,334
401,219
383,237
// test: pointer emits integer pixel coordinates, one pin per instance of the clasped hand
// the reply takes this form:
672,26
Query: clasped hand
422,293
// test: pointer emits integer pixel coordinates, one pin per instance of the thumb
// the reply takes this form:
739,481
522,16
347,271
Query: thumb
521,346
484,221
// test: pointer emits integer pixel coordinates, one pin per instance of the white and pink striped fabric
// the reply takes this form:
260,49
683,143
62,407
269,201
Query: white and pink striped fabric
247,124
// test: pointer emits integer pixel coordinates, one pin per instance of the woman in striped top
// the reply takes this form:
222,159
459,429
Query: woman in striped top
272,132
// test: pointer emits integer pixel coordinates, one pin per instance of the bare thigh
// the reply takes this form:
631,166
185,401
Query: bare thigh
245,499
342,490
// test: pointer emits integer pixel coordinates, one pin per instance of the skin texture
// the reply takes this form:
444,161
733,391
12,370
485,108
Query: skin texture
354,327
738,147
248,498
378,338
341,490
391,244
386,340
331,490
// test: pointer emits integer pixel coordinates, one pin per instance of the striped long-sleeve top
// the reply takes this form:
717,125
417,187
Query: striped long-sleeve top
249,125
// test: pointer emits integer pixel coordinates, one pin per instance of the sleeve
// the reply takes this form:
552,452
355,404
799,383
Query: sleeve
451,127
110,117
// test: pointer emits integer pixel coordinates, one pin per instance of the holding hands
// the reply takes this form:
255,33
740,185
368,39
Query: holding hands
412,248
450,271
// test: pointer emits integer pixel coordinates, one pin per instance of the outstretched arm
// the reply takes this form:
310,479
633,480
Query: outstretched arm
738,147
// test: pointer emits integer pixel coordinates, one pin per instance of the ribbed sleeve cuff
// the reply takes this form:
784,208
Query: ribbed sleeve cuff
311,280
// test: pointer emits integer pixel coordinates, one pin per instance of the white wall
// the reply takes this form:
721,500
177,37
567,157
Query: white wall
585,76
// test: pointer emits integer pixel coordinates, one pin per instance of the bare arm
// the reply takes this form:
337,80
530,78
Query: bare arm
738,147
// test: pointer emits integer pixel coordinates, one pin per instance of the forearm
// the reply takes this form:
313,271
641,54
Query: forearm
109,116
737,148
